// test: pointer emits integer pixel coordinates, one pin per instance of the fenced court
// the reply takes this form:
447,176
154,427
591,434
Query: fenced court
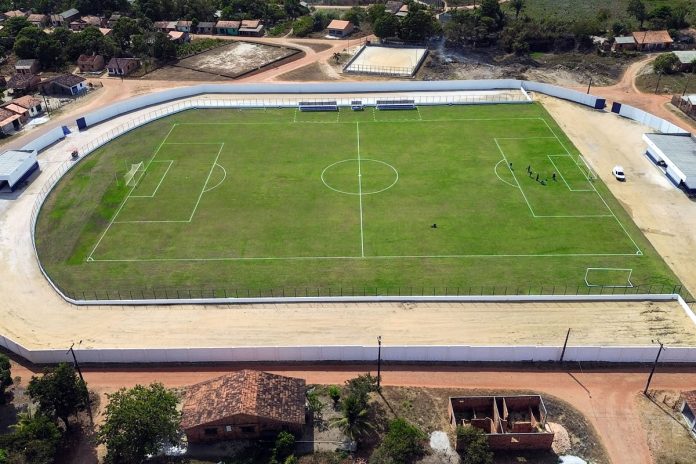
243,201
386,61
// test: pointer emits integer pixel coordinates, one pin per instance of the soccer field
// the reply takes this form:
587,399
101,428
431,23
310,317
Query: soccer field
478,199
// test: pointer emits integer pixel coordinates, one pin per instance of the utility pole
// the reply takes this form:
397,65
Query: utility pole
657,358
79,372
565,344
659,77
379,360
589,85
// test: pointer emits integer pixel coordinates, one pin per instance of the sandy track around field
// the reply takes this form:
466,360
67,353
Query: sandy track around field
34,315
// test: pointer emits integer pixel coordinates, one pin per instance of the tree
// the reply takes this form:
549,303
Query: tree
386,26
35,440
418,25
5,376
123,30
518,6
137,422
355,15
12,26
355,417
374,12
404,443
474,445
335,394
284,448
163,48
293,9
491,9
59,392
665,63
303,26
362,386
636,8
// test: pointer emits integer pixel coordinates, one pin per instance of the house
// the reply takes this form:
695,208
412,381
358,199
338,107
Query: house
509,422
22,84
686,59
90,63
183,26
122,66
19,110
87,21
652,40
66,84
205,27
227,27
179,37
251,28
338,28
16,14
688,409
686,103
165,26
69,16
403,11
245,405
393,7
32,104
113,19
623,43
27,66
9,121
56,20
105,31
38,20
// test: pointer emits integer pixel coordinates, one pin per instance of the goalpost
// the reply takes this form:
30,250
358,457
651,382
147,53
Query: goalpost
587,171
609,277
130,175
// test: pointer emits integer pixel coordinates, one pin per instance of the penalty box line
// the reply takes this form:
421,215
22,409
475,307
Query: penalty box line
638,250
160,182
154,155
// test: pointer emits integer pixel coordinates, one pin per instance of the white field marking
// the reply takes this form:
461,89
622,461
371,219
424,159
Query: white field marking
563,177
638,250
356,193
495,169
338,115
159,147
525,138
294,119
514,177
374,114
160,182
224,171
222,145
420,118
307,258
362,234
350,122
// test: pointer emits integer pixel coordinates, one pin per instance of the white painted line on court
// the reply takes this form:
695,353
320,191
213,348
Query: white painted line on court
362,234
222,145
160,182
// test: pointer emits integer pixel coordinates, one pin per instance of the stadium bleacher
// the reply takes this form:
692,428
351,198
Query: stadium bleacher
403,104
329,105
357,105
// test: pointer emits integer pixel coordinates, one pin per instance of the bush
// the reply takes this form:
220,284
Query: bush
303,26
403,444
335,394
665,63
474,446
315,404
5,376
362,386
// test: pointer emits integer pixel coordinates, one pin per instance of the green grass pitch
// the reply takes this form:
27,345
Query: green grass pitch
276,201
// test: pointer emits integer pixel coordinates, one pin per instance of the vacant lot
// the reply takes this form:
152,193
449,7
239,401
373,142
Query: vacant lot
227,61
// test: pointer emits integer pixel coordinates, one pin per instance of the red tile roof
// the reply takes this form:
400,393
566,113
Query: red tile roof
652,37
690,399
248,392
27,101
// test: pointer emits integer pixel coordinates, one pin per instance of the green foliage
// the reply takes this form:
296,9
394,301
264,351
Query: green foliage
518,6
418,25
12,26
291,460
137,422
35,439
355,413
59,392
665,63
3,456
355,15
362,386
197,46
386,26
283,449
636,8
315,404
163,48
474,446
303,26
404,443
374,12
5,376
335,394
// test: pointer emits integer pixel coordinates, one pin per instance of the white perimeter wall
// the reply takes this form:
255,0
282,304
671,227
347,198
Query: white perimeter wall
650,120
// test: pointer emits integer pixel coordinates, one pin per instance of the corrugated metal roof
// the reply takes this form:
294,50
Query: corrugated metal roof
11,160
686,56
681,151
628,39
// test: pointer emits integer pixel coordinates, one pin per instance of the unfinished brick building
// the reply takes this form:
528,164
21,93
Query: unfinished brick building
509,422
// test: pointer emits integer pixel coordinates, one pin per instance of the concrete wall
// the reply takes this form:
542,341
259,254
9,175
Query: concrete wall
647,119
46,140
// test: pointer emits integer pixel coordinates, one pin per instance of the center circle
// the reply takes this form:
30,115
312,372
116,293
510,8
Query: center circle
360,176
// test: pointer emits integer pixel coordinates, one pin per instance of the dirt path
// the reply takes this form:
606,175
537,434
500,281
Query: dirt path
626,91
606,397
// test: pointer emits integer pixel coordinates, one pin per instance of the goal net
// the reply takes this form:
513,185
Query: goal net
585,168
609,277
130,176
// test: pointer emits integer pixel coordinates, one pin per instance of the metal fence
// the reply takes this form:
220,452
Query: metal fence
193,293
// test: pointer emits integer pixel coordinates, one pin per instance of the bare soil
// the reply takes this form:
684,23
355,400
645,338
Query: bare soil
668,437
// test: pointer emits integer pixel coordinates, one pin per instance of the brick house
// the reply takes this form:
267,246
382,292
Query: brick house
509,422
251,28
244,405
66,84
22,84
90,63
122,66
652,40
38,20
205,27
86,21
338,28
16,14
27,66
9,121
65,18
623,43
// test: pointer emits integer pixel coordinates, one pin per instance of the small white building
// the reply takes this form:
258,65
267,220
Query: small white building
16,166
339,28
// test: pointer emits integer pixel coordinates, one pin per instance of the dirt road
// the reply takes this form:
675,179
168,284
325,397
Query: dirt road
606,397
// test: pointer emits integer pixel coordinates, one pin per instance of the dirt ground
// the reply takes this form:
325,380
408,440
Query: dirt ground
668,437
606,397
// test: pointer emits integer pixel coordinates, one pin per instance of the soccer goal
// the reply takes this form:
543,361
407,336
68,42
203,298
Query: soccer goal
130,176
609,277
585,168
